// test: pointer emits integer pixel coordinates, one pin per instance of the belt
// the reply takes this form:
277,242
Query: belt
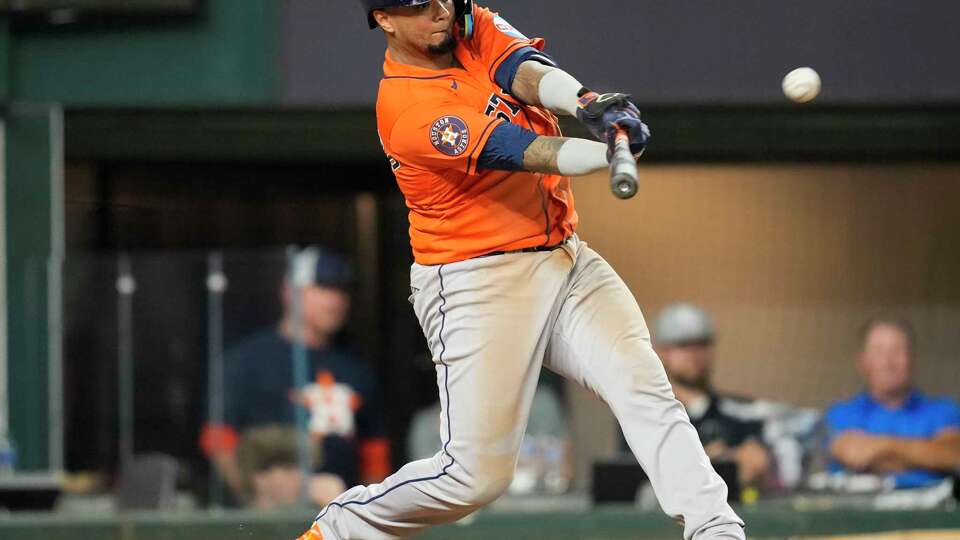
534,249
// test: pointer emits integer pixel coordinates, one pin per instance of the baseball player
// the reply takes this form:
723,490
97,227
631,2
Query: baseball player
501,284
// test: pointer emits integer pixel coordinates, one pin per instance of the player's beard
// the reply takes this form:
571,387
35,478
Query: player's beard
447,46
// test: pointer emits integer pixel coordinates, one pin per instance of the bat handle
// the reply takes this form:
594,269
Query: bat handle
623,168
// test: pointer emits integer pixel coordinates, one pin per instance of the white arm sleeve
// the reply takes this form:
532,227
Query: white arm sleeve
558,92
578,157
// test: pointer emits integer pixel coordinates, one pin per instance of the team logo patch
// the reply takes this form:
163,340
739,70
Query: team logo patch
507,28
450,135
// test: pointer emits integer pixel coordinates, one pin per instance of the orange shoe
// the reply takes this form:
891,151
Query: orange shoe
312,534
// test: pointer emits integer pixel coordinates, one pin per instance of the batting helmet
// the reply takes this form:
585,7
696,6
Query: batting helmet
464,12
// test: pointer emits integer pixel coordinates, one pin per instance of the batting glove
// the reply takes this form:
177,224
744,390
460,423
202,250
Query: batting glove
604,114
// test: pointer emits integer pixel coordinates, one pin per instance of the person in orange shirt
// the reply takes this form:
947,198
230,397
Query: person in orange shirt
501,283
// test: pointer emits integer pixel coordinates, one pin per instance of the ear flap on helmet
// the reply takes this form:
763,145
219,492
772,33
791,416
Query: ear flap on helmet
465,17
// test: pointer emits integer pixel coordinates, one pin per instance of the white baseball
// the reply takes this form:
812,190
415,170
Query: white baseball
802,85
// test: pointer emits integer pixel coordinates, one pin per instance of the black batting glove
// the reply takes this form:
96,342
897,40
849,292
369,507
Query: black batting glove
604,114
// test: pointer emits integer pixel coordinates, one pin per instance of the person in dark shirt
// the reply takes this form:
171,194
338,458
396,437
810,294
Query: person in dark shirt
339,393
731,428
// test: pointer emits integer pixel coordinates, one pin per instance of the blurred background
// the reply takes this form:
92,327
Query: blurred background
194,201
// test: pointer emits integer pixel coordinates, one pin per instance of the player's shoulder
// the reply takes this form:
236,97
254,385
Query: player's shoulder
400,96
410,111
484,16
488,21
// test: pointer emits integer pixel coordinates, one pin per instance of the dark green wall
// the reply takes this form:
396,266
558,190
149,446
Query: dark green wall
608,523
224,56
4,58
30,141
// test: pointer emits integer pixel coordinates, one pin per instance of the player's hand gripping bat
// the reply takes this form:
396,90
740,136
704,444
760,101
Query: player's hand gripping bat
615,119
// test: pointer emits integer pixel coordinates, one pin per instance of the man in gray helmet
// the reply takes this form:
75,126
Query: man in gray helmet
730,427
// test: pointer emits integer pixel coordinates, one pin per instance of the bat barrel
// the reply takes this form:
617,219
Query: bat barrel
623,168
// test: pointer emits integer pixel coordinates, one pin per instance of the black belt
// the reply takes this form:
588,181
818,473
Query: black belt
535,249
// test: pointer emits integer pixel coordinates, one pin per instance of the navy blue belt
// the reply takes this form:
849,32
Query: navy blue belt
534,249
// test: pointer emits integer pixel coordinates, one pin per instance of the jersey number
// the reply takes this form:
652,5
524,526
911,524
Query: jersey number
501,108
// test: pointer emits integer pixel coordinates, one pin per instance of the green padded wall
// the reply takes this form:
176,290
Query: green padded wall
224,56
602,524
33,136
4,58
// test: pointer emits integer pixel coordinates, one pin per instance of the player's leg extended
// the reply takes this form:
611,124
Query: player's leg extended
485,321
601,341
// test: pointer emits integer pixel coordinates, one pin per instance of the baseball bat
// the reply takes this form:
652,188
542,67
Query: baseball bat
623,167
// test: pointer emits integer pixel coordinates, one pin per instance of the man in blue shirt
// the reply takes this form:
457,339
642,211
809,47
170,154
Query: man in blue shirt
340,394
892,428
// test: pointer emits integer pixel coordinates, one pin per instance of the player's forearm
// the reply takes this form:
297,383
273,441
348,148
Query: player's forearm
546,86
566,156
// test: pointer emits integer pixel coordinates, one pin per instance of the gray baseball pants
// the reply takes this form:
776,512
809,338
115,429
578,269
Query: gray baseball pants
491,323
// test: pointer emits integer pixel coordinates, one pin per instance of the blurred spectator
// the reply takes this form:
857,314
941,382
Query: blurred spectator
340,396
269,464
269,467
731,428
545,461
892,429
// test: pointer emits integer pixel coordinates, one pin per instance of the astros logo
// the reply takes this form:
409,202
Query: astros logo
450,135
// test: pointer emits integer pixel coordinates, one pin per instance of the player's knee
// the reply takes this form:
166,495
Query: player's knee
486,488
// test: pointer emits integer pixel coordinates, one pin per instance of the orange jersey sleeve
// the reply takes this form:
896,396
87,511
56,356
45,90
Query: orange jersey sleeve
441,136
495,39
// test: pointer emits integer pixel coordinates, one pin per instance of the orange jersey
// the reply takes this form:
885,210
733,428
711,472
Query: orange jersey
434,125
